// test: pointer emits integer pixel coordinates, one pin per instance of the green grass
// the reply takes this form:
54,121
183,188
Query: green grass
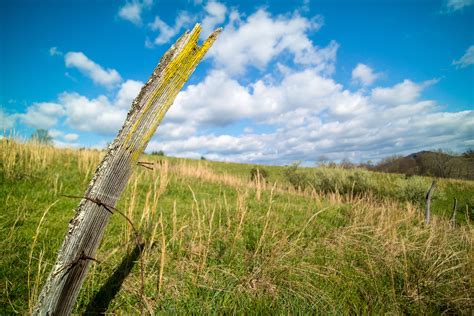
238,247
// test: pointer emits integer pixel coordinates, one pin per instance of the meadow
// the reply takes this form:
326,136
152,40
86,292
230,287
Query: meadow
213,240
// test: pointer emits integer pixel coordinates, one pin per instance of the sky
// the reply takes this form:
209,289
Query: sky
286,81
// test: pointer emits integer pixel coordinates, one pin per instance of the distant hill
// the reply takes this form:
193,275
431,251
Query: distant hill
431,163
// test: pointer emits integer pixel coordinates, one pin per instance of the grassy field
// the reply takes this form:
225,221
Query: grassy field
313,240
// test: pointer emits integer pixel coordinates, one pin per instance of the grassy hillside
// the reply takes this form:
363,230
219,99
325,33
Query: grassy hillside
303,241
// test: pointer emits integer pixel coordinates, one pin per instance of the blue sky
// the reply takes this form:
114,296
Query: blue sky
286,80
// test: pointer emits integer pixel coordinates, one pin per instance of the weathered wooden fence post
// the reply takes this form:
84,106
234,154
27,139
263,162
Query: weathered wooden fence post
60,291
429,194
453,215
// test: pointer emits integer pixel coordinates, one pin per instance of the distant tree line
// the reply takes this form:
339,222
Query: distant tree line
425,163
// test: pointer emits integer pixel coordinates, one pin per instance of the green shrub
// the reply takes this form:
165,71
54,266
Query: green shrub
327,180
297,178
255,172
412,189
360,181
354,181
158,153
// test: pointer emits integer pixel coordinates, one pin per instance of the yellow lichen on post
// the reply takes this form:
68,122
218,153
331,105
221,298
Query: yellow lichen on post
175,74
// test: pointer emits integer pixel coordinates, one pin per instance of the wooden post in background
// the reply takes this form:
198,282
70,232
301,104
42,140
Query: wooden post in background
453,215
429,194
60,291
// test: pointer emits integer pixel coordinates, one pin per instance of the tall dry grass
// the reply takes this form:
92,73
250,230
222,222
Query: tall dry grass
254,247
383,258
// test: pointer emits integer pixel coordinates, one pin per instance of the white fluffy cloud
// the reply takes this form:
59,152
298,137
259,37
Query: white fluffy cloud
57,134
216,13
217,101
295,111
92,115
307,115
310,138
127,93
467,59
6,121
221,147
455,5
404,92
260,38
166,32
364,75
254,41
101,76
336,140
99,115
42,115
220,100
132,10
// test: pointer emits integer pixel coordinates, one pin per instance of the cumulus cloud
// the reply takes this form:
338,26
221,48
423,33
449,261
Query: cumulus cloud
369,138
92,115
220,100
404,92
132,10
42,115
364,75
6,121
455,5
172,130
307,116
101,76
216,13
220,147
260,38
467,59
99,115
57,134
127,93
217,101
295,113
166,32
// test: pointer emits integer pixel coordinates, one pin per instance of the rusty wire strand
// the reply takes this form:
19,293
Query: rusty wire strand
138,239
75,262
145,164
